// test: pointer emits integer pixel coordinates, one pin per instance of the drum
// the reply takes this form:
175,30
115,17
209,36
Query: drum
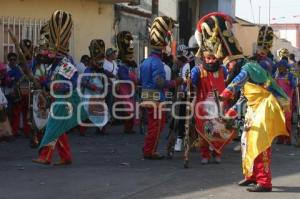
40,110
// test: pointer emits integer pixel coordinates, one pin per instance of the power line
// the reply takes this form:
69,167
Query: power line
252,12
283,6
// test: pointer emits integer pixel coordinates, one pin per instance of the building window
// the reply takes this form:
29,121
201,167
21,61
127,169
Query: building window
22,28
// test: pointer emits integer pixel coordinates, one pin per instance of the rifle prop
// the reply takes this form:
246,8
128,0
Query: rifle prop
22,58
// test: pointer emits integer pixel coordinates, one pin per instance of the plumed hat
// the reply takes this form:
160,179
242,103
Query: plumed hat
97,48
60,25
265,39
214,32
160,32
27,48
283,52
125,46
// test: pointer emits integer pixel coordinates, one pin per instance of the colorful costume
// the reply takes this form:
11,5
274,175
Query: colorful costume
25,84
208,78
41,99
265,100
93,85
264,44
153,81
126,72
64,111
287,81
264,120
206,82
18,103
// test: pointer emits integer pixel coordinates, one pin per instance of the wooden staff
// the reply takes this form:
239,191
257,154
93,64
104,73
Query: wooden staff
22,58
187,121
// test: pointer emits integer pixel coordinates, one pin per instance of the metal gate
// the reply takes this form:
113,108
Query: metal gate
23,28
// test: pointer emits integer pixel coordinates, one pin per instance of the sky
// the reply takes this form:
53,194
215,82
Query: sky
282,11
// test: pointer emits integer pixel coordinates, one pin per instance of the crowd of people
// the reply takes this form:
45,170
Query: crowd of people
227,93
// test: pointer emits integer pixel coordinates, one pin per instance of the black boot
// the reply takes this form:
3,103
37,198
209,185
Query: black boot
259,188
245,182
154,156
101,131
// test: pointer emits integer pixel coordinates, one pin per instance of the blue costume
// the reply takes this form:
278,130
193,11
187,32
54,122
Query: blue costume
15,74
267,64
153,76
154,83
91,86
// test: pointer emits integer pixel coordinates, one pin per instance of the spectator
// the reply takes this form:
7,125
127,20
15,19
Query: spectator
110,66
84,63
18,103
292,60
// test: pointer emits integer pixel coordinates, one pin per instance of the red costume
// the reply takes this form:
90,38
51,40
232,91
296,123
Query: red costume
155,127
153,81
261,169
206,82
63,147
17,108
126,72
61,69
287,82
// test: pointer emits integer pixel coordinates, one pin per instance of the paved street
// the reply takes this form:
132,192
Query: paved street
111,167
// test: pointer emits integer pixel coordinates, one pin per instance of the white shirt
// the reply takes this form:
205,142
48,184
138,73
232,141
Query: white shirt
111,67
186,68
167,71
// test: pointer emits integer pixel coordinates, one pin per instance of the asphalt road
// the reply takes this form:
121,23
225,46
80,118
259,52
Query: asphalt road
112,167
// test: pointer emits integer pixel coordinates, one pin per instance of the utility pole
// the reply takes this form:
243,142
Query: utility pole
269,12
259,15
154,8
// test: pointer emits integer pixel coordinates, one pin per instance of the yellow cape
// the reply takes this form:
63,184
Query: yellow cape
267,122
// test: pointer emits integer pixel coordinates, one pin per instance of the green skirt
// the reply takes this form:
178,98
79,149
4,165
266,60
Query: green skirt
64,115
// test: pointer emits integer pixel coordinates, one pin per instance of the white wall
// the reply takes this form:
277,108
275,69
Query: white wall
289,35
168,8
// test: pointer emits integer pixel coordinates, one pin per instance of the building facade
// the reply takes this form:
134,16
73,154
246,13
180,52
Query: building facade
190,11
92,19
247,33
290,32
138,19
